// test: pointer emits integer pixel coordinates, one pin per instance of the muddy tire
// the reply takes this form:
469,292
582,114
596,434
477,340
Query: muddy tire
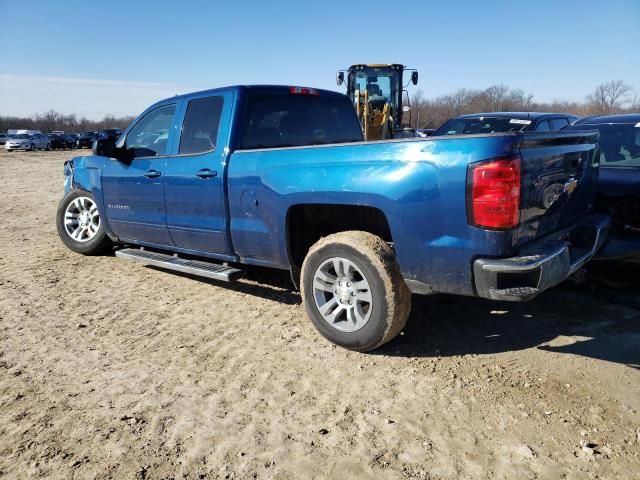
79,224
353,290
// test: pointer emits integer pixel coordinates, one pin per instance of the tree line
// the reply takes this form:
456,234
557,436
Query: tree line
611,97
608,98
52,120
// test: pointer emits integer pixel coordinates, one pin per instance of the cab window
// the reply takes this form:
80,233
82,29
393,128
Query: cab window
149,137
200,126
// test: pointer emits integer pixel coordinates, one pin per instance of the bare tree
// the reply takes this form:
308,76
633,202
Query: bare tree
609,97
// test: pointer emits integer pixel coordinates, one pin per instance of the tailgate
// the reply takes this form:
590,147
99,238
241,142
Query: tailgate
559,179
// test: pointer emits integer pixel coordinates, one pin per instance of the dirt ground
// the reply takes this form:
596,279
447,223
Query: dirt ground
109,369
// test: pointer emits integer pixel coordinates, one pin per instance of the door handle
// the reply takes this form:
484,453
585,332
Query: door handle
207,173
152,174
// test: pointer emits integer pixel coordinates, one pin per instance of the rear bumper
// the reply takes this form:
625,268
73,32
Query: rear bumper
542,264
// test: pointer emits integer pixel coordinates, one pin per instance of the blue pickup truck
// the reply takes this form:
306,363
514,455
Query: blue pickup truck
279,177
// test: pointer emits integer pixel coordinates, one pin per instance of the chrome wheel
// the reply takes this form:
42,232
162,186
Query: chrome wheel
81,219
342,294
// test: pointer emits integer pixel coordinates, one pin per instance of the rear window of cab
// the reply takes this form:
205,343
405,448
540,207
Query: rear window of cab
292,120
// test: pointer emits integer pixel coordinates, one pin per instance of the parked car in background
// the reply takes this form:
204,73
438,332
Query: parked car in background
280,177
57,141
406,132
618,180
424,132
3,138
86,139
75,138
70,140
112,133
409,132
26,141
505,122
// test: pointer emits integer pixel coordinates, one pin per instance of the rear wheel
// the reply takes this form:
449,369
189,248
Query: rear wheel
353,290
79,224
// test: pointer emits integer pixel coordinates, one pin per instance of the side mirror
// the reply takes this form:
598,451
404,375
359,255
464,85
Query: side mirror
414,77
340,78
104,147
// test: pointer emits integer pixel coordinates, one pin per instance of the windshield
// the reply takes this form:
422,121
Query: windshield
619,143
21,136
378,85
466,126
381,83
285,120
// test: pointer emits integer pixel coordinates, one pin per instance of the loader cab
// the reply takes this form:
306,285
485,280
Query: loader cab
376,91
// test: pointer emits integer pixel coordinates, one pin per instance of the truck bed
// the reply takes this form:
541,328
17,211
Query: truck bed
420,187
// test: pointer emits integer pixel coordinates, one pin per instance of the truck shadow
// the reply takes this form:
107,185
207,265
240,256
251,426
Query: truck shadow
599,319
592,320
260,282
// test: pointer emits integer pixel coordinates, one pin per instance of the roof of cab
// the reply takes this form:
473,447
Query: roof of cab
249,88
517,115
600,119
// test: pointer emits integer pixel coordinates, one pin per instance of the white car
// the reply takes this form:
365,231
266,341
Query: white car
25,141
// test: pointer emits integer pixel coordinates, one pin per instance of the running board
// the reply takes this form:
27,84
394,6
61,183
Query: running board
171,262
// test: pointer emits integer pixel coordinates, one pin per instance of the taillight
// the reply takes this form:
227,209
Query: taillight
303,91
493,193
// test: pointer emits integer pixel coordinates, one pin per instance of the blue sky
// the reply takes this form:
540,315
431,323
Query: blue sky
95,58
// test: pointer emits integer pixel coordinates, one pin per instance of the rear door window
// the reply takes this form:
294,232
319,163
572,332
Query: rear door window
200,126
274,120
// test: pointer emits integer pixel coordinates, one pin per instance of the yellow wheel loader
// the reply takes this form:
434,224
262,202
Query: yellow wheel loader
376,91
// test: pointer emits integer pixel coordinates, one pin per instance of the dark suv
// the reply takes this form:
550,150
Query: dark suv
505,122
112,133
618,181
86,139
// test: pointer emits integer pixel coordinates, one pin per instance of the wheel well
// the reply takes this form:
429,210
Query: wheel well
306,224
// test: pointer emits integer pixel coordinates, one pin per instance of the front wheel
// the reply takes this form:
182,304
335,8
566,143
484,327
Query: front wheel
32,147
79,224
353,290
